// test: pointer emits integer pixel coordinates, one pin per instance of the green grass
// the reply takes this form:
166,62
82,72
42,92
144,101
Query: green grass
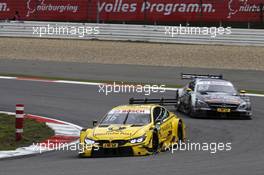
108,81
34,132
255,92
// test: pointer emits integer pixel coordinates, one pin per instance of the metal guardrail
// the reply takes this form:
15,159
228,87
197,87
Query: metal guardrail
142,33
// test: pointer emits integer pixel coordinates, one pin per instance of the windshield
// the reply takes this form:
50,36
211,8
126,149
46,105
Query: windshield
126,117
225,87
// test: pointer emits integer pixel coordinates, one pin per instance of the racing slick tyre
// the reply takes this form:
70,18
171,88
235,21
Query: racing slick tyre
155,142
180,132
248,117
180,137
80,155
189,109
177,106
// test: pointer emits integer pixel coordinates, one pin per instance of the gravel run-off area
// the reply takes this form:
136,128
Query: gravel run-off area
107,52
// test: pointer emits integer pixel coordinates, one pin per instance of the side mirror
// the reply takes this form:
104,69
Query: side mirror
189,90
95,122
158,121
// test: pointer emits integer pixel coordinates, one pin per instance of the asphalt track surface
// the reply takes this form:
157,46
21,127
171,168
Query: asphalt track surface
243,79
80,104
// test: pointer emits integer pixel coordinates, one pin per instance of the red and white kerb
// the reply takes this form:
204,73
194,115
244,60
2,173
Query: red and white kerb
19,121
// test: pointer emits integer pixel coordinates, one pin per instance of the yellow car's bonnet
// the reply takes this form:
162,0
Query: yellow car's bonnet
119,131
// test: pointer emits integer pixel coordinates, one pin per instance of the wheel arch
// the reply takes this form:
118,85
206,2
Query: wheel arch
179,122
84,133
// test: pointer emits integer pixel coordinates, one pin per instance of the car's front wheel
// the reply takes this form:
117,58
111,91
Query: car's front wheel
188,107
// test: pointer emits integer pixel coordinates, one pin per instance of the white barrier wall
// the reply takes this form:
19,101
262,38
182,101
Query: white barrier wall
142,33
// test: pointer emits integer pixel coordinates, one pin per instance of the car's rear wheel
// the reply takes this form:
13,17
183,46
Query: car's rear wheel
179,138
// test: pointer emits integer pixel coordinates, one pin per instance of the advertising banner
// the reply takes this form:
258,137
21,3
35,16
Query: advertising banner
134,10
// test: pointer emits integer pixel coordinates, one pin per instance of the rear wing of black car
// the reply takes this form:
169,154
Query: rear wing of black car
160,101
193,76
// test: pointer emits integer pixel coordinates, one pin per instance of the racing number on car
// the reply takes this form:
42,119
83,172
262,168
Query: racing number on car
110,118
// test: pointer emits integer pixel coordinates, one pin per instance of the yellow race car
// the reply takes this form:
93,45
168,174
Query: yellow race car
132,130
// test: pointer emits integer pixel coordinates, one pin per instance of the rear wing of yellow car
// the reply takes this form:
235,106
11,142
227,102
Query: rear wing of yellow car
160,101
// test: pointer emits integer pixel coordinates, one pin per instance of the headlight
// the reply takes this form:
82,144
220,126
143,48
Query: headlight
89,141
243,106
201,104
137,140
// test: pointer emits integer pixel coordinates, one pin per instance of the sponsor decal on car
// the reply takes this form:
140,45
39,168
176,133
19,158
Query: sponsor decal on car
113,133
139,111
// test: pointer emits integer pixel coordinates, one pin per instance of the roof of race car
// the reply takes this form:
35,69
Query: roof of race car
212,80
135,108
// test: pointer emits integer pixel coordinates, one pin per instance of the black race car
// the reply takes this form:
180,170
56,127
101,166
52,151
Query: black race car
210,95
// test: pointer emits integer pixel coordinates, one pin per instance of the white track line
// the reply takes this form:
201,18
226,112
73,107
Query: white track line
88,83
5,77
